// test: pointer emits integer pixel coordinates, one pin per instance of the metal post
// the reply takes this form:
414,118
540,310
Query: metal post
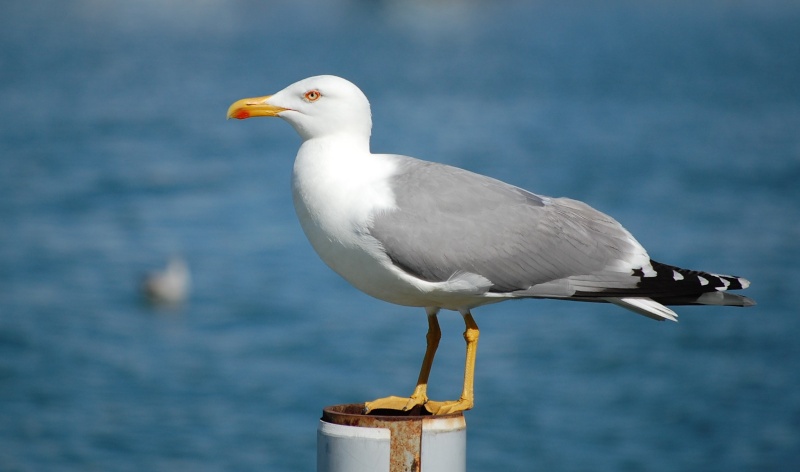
349,441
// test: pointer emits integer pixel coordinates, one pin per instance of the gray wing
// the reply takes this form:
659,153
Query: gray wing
450,220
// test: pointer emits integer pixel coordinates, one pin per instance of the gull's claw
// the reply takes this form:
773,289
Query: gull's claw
395,403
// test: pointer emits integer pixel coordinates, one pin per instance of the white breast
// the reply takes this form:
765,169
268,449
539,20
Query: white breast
337,187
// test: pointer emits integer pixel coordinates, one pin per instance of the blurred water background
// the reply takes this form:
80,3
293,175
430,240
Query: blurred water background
679,118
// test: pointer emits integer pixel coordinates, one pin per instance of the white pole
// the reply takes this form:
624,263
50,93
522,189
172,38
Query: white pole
349,441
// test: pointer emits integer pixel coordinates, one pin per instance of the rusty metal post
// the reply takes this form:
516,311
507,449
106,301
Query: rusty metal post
349,441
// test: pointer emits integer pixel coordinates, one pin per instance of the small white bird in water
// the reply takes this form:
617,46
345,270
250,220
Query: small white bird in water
423,234
169,286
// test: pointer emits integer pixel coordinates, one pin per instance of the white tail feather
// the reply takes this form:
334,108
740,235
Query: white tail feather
645,306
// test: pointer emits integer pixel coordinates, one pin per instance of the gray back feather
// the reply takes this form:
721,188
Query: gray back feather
450,220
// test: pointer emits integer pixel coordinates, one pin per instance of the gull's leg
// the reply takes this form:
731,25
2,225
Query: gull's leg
467,394
420,395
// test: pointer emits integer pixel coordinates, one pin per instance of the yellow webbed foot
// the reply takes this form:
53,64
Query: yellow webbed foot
447,407
395,403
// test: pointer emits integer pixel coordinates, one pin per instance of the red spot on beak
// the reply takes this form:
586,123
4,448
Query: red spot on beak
241,114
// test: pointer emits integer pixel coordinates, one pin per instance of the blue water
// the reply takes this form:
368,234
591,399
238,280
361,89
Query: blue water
679,118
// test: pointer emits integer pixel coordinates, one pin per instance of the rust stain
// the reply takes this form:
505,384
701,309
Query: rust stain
405,445
405,430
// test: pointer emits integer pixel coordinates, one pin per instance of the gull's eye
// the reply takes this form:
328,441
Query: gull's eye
312,95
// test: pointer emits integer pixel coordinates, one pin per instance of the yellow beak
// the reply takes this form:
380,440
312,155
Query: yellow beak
251,107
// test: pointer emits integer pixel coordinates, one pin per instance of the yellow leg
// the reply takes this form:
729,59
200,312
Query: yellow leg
420,395
467,399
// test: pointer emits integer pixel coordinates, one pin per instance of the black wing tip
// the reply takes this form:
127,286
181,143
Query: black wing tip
694,280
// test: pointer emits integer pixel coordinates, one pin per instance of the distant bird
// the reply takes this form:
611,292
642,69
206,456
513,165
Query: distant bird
169,286
418,233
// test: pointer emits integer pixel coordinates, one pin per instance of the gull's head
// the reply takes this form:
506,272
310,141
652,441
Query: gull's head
317,106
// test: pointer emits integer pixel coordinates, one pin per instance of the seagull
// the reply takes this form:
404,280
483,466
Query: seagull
169,286
423,234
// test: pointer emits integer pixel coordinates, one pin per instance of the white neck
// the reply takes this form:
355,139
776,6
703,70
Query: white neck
337,182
